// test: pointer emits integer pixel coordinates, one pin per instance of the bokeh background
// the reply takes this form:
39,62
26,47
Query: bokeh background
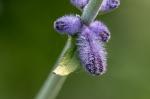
29,47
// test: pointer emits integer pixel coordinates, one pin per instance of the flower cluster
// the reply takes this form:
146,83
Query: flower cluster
106,6
90,38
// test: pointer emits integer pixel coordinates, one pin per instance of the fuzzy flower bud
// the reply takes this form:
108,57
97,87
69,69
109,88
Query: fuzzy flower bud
68,24
101,30
109,5
106,6
91,52
80,4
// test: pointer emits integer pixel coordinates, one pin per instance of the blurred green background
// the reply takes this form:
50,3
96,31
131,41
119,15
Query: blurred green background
29,47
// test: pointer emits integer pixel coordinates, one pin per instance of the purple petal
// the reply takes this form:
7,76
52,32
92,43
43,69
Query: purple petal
101,30
68,24
91,52
80,4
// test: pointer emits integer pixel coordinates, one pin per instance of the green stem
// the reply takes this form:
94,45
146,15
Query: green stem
91,11
52,86
66,64
68,61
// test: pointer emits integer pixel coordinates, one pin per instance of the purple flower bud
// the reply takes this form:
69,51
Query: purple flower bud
91,52
109,5
80,4
68,24
101,30
106,6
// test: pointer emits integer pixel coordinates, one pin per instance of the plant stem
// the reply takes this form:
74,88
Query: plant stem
68,61
66,64
91,11
51,87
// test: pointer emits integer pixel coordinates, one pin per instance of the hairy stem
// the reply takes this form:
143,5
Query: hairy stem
67,62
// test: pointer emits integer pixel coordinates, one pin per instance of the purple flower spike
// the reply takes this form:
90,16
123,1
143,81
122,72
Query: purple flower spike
80,4
109,5
91,52
101,30
68,24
